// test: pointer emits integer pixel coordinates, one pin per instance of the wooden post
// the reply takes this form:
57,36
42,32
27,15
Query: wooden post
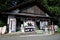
52,28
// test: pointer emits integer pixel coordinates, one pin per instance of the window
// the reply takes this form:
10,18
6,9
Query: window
43,24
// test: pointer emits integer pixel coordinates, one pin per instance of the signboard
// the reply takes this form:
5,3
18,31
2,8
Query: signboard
12,24
29,26
43,24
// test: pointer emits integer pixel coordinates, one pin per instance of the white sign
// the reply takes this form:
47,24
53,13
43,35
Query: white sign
12,24
43,24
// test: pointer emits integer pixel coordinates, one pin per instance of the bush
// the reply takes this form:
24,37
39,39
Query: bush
58,30
2,23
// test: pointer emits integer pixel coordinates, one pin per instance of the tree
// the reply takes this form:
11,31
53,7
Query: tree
4,4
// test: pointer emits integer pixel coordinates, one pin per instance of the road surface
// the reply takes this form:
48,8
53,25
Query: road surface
48,37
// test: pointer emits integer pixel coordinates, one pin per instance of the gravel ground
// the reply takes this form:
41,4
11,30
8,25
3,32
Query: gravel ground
49,37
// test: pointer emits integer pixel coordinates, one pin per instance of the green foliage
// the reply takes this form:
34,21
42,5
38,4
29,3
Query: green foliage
51,5
58,21
4,4
2,23
58,30
54,3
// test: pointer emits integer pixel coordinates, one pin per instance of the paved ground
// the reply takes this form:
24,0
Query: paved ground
49,37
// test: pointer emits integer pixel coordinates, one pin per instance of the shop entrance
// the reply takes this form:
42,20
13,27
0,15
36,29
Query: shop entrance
38,25
19,22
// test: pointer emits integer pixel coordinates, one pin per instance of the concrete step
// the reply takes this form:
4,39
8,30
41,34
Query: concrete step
19,33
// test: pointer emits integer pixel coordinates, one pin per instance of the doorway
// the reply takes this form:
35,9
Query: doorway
38,25
18,26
